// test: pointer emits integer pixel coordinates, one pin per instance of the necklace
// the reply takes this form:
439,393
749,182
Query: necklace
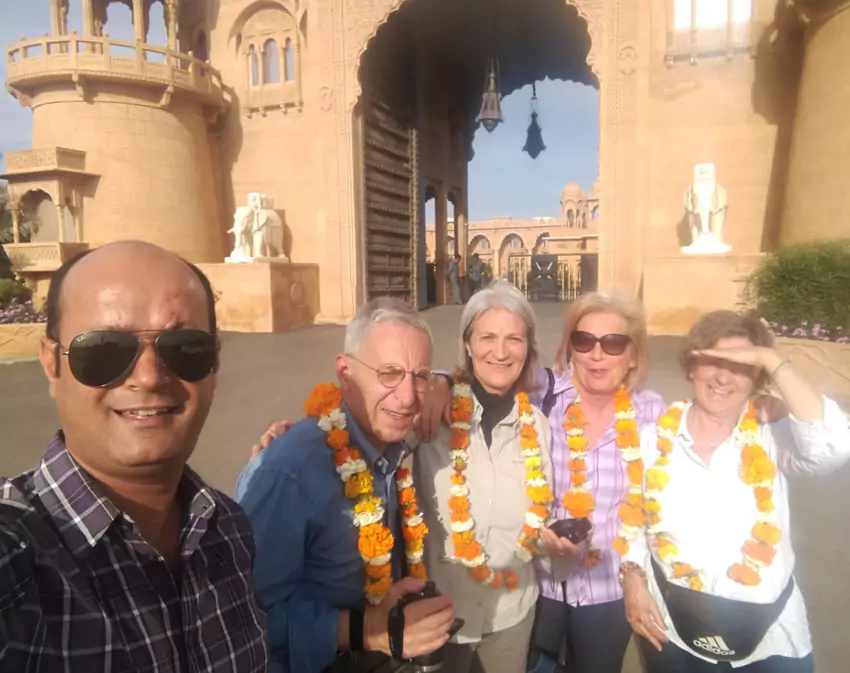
467,549
578,499
375,540
755,470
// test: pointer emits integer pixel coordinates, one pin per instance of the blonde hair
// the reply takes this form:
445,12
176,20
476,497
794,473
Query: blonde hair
630,310
500,294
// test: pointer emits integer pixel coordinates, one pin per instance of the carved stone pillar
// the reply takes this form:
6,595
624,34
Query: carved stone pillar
88,18
171,22
440,252
261,65
77,214
139,27
16,224
60,223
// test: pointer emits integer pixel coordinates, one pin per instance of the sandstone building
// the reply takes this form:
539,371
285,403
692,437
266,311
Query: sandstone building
350,113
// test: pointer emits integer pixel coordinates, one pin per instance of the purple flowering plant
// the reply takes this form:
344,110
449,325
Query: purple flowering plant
17,313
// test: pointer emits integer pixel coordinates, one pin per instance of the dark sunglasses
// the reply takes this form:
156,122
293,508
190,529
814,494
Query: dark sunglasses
612,344
107,357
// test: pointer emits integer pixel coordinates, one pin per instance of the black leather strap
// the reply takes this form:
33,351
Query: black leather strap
395,631
355,629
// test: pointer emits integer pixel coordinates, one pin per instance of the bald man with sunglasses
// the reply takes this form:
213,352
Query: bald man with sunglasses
114,555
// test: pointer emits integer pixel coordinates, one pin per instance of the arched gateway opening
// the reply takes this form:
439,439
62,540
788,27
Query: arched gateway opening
422,76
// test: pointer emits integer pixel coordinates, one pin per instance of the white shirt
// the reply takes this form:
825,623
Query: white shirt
498,504
709,513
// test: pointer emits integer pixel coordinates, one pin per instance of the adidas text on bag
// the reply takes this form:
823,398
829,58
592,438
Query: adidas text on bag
714,645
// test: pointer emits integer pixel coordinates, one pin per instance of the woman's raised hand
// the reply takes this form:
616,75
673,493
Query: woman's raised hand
275,429
755,356
642,610
436,407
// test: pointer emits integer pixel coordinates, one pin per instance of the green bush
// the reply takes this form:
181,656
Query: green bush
13,291
804,284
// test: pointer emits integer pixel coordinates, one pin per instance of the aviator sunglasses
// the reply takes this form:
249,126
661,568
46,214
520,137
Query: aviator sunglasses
107,357
612,344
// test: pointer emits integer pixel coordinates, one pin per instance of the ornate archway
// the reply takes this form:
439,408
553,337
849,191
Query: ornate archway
614,29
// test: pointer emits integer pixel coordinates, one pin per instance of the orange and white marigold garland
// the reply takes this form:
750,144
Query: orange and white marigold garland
467,550
756,470
375,541
578,499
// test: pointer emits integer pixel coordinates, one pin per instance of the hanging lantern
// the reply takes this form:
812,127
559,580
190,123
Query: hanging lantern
534,140
490,115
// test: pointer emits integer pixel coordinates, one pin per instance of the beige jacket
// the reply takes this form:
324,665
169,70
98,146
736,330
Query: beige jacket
496,481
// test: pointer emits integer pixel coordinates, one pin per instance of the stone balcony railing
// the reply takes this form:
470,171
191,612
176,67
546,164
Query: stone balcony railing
32,62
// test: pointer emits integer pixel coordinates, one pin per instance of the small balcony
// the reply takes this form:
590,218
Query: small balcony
32,63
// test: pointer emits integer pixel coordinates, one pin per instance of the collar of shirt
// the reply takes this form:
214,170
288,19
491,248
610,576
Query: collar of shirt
686,440
384,463
83,514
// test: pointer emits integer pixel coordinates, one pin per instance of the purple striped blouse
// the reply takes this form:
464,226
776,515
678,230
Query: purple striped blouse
607,473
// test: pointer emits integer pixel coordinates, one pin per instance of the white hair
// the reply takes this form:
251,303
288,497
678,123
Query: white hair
380,311
500,294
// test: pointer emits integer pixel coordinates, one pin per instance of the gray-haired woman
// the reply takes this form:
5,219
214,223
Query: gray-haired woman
484,486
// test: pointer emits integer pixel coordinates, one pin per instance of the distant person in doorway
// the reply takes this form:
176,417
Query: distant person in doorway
453,273
476,270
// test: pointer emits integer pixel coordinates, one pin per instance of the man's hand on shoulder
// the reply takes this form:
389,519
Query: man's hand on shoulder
426,622
275,429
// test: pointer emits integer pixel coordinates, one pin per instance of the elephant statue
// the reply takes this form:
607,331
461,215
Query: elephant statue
257,229
268,234
706,205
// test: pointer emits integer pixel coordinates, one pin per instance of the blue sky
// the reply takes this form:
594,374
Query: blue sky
503,180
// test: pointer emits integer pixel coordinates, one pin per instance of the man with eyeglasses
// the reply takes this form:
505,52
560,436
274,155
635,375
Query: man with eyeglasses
114,555
310,572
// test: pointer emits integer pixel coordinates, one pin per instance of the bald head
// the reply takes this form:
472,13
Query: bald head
127,263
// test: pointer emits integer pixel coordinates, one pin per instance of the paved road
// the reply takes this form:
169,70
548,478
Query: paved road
266,377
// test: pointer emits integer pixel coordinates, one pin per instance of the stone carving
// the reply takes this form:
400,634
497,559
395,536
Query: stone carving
705,205
257,230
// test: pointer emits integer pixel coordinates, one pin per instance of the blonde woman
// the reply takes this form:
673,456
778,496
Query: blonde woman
594,394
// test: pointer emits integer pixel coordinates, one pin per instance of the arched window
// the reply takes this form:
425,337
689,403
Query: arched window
253,67
271,62
513,241
595,212
571,218
479,243
289,60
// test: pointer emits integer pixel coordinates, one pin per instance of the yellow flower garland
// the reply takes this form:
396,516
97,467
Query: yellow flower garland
756,470
467,549
375,538
578,500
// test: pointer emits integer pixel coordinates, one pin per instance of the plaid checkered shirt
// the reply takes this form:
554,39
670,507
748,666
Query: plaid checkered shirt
82,592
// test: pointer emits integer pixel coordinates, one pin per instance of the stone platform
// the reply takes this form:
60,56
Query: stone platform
268,295
679,290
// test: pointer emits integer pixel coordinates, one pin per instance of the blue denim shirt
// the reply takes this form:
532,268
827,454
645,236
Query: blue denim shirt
307,565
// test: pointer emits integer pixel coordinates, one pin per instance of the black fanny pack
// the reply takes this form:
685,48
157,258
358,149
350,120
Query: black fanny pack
715,627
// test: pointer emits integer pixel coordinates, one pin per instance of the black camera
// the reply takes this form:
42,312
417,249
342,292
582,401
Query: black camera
427,663
575,530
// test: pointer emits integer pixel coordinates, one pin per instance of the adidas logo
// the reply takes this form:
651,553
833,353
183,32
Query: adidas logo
714,645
